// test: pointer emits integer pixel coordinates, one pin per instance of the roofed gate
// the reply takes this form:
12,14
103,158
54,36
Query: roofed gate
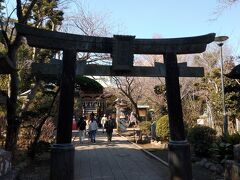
122,50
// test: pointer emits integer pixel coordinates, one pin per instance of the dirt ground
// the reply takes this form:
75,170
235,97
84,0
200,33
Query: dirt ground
39,169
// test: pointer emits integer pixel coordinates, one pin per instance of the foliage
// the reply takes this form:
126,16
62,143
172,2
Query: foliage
47,12
220,152
208,90
41,14
232,139
38,123
160,89
232,100
41,147
201,139
88,85
145,127
162,128
222,149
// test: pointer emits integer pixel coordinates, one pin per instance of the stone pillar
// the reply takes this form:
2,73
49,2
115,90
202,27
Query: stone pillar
117,115
62,154
62,162
179,150
179,161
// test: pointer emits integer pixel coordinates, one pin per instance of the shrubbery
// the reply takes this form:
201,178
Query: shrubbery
201,139
222,149
162,128
145,127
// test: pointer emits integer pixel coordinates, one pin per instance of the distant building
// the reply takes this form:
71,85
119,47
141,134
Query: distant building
143,111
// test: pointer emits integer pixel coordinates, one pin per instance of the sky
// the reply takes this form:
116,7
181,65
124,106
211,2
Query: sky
172,18
169,18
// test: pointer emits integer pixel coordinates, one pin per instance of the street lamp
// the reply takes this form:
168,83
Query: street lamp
219,40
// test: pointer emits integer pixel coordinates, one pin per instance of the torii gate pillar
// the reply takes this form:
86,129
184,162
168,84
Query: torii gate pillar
62,154
179,149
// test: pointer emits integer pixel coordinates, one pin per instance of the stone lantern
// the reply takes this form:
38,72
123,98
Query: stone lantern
121,106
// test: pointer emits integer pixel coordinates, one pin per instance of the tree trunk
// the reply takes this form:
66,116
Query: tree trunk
13,123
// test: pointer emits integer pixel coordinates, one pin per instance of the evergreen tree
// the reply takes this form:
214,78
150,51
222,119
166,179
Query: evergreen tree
42,14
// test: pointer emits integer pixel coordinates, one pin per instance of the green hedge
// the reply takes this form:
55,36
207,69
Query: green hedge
222,149
145,127
201,139
162,128
88,85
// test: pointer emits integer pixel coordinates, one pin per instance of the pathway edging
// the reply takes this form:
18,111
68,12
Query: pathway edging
144,150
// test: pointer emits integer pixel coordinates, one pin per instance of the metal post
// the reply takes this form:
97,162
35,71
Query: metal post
220,40
62,154
225,120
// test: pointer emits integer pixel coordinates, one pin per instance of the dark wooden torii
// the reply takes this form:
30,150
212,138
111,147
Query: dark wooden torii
122,49
234,73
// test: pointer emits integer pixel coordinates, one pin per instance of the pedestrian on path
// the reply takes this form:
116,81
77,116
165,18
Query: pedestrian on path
103,121
82,127
133,120
93,126
109,126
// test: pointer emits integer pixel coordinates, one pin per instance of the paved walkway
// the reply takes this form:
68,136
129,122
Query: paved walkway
116,160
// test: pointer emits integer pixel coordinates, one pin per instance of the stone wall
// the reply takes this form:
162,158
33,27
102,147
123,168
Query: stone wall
5,162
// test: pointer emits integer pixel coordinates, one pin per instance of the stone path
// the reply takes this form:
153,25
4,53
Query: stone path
116,160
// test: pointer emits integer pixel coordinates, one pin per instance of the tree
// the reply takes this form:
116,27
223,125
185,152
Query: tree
90,23
12,40
208,89
131,88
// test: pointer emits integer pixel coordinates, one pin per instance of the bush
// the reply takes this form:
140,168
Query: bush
145,127
201,139
232,139
222,149
162,128
39,148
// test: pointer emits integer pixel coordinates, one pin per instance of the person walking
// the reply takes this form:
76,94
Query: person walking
93,126
109,126
103,121
133,120
81,127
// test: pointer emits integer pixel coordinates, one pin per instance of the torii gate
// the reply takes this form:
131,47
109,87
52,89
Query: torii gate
122,49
